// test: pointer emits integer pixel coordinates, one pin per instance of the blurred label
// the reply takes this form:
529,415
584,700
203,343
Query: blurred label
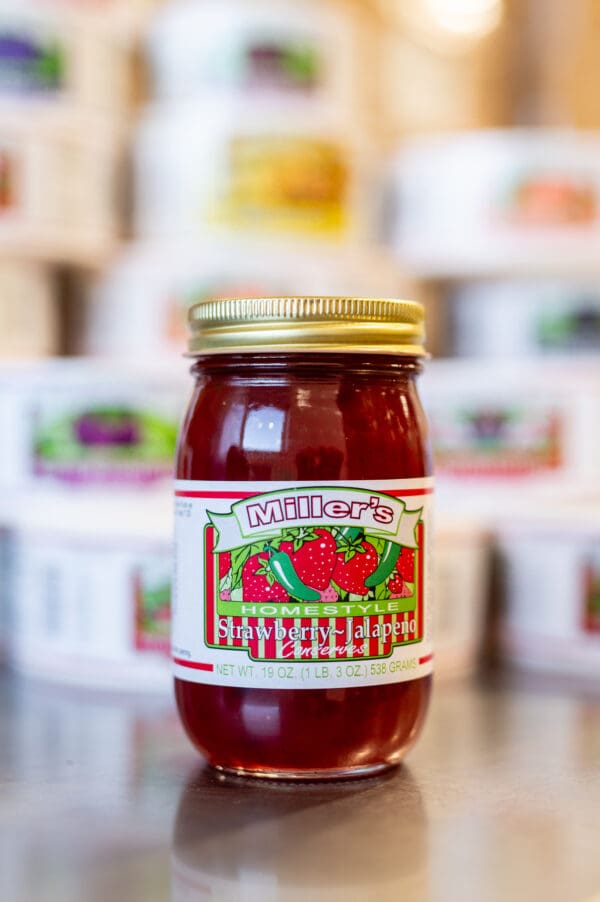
591,594
152,604
575,329
287,183
268,62
75,601
496,440
103,442
550,200
284,65
8,188
30,62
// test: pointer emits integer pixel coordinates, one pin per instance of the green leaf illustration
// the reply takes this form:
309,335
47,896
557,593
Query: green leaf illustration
377,542
239,556
382,592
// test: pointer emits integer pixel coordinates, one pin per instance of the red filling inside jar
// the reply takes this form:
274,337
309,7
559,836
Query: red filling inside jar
301,417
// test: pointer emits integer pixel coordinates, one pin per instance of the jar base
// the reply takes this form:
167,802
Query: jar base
310,776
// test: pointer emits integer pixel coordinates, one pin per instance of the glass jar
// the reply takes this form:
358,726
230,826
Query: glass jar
301,625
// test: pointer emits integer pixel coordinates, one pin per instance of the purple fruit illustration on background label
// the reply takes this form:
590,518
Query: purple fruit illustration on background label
107,427
28,63
104,443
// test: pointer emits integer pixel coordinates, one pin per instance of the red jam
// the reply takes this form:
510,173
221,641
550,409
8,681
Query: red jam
297,418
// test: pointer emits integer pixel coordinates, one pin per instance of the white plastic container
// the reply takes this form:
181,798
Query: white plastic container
52,55
462,75
550,616
300,52
28,313
222,167
78,425
58,185
500,428
461,590
91,589
491,202
526,317
140,306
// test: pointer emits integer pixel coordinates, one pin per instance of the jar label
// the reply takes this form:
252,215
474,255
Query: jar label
302,585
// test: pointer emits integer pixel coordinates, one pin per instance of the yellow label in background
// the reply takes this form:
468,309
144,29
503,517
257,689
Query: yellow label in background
285,183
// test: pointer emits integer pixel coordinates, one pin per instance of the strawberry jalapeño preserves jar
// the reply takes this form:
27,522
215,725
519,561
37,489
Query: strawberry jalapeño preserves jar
301,620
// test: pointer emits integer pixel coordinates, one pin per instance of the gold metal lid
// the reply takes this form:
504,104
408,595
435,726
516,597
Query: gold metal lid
328,324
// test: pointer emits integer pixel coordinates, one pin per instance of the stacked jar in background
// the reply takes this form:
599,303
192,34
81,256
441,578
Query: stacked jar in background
87,447
507,224
85,476
63,96
255,171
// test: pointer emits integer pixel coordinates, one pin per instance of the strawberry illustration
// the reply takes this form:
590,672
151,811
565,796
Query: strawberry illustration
313,554
224,563
406,564
258,582
397,587
352,568
329,595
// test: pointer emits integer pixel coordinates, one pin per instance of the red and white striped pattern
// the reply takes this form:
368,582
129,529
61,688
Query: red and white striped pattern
275,648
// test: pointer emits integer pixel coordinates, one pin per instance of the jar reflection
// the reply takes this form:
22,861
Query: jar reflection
242,839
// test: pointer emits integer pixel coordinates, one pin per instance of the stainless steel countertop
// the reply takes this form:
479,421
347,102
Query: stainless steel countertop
103,799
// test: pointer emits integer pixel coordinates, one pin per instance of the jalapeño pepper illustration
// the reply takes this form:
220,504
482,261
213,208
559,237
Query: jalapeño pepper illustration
387,562
348,533
282,569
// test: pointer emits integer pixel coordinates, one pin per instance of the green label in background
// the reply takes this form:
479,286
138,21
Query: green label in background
108,432
575,330
104,444
281,64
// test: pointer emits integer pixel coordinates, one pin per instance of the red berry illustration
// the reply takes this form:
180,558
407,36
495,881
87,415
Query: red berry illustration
315,559
351,574
258,583
397,587
406,565
224,563
329,595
